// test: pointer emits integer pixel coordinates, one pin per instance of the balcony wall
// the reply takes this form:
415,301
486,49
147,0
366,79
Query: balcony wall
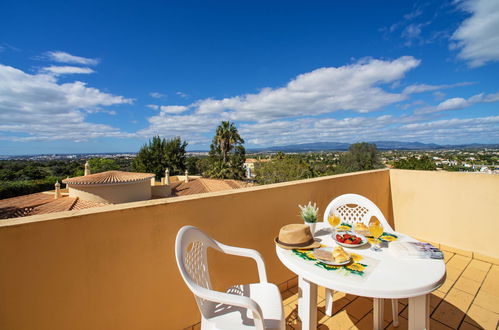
114,267
456,209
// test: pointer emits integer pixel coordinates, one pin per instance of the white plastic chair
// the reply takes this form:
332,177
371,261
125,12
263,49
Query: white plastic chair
353,208
245,306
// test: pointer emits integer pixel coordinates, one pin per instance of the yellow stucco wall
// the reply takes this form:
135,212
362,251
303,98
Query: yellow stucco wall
456,209
113,193
114,267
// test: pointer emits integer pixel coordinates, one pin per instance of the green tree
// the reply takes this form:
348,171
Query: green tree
98,165
413,163
227,153
160,154
359,157
282,170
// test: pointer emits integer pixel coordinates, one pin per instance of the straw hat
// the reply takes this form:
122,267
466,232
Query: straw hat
296,236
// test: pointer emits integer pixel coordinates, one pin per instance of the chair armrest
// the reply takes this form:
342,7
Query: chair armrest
249,253
233,300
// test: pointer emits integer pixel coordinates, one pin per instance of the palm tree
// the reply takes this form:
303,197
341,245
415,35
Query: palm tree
227,137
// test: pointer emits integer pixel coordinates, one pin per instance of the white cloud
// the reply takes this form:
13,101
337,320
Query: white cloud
453,104
153,106
63,57
37,107
173,109
421,88
182,95
458,103
357,87
477,37
60,70
354,87
156,95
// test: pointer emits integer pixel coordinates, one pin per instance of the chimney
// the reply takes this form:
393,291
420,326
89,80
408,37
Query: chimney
57,190
87,168
167,177
186,176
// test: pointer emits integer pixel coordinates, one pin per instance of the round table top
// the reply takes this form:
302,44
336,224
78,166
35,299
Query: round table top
392,277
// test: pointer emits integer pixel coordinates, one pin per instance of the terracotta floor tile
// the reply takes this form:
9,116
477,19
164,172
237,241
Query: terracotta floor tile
446,286
359,307
453,272
467,285
283,286
293,289
435,325
481,265
459,261
291,314
196,326
366,323
405,313
448,255
480,317
387,311
403,325
488,301
340,321
448,314
289,297
467,326
339,303
474,274
404,301
459,299
435,299
491,285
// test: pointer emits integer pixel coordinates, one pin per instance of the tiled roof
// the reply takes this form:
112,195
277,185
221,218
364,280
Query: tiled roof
204,185
41,203
109,177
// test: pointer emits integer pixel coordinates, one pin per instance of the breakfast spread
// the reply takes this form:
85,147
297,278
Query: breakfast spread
340,255
336,255
361,228
347,238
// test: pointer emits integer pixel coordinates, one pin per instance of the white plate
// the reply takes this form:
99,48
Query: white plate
363,242
332,263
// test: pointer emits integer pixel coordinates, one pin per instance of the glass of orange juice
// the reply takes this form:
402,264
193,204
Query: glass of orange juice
334,220
376,230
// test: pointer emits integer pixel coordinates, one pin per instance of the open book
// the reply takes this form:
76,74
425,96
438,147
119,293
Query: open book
415,250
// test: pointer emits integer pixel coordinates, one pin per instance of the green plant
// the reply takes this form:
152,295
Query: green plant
309,212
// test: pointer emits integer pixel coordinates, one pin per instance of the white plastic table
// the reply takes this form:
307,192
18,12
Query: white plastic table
391,278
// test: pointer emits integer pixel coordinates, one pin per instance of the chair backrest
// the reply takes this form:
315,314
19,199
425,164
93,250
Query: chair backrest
353,208
190,251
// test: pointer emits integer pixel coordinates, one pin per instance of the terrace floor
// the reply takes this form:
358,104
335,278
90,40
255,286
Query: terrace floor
469,299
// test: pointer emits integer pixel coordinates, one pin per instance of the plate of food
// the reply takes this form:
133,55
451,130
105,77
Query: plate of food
362,229
332,256
350,239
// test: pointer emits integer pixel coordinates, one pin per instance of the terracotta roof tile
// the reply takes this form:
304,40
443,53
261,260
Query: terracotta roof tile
41,203
204,185
109,177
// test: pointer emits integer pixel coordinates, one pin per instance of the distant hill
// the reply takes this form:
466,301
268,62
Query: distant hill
382,145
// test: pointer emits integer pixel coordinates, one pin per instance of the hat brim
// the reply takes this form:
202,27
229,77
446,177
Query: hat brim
314,245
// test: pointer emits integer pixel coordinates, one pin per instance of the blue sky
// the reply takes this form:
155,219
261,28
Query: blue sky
105,76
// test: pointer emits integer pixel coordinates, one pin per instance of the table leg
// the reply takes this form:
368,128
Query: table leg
329,302
307,303
419,312
378,313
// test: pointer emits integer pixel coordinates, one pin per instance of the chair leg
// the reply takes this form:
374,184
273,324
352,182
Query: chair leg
329,302
395,312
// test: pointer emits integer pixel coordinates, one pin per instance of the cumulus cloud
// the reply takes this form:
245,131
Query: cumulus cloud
38,107
358,87
60,70
458,103
63,57
477,38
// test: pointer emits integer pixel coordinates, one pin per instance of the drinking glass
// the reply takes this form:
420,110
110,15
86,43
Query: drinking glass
376,230
334,221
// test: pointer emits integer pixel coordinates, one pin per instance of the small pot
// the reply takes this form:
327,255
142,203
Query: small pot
312,226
